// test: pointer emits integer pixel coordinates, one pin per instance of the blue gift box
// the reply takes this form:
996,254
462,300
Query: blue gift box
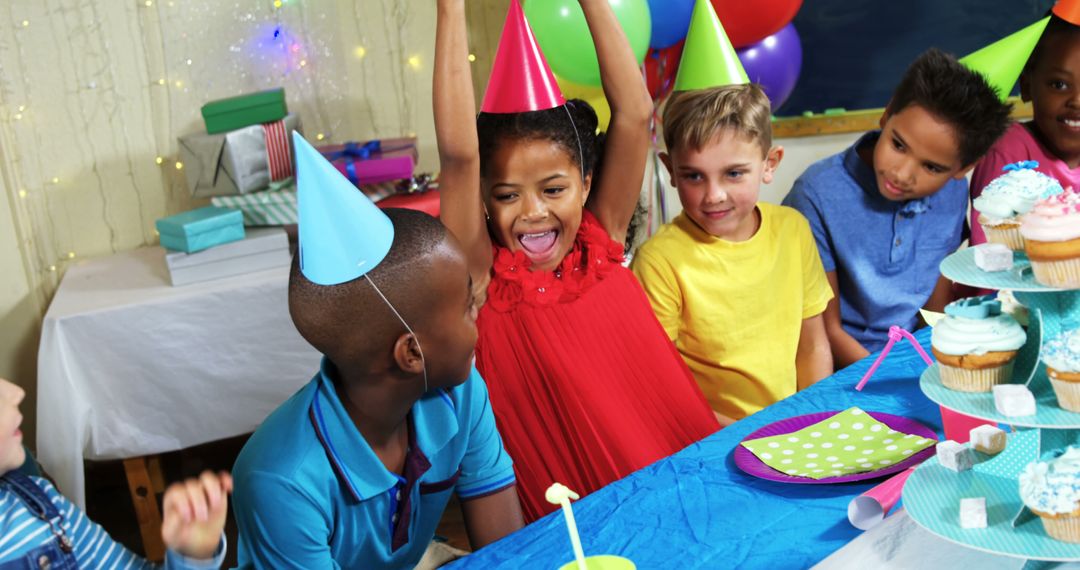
200,229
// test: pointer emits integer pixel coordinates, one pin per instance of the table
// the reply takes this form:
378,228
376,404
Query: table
129,366
696,509
899,542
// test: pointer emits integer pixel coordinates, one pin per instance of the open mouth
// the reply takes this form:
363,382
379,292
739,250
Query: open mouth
539,246
1070,122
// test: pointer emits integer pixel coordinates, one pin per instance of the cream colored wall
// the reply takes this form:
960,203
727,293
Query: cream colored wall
92,92
799,153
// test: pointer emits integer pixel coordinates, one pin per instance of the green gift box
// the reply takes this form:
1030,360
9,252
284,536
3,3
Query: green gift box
238,112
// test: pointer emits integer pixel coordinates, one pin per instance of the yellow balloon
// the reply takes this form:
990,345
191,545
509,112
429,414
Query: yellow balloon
594,96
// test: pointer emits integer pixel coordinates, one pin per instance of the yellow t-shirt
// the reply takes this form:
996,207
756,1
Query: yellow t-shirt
735,309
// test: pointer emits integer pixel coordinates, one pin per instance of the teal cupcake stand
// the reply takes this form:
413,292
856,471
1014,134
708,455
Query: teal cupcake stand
932,494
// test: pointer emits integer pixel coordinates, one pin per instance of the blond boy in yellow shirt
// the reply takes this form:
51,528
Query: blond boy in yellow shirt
738,285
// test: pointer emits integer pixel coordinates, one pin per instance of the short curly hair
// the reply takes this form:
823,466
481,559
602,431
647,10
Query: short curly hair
564,125
947,89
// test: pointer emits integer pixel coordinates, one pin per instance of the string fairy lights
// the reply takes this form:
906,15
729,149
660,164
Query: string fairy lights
195,51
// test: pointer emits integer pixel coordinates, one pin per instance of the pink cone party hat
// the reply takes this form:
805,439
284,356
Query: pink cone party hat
520,77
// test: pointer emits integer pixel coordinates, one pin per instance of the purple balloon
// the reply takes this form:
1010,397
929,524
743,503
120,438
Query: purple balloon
774,63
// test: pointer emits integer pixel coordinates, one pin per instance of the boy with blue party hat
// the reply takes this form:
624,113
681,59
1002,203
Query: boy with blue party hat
356,468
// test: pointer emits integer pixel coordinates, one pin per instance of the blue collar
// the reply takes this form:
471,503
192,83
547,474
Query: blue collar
864,176
433,424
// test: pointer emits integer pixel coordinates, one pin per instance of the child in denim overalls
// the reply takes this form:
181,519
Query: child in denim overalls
39,528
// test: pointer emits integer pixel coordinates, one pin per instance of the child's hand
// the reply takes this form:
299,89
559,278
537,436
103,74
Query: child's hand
195,514
725,421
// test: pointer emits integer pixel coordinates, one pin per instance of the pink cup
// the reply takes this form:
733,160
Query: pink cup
958,426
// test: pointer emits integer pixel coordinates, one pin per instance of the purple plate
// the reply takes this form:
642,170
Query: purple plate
751,465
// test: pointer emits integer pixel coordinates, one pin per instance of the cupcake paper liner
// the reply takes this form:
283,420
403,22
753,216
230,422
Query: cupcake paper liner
1064,528
1064,273
974,380
1007,235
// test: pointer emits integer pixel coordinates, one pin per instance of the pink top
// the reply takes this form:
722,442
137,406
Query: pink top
1015,145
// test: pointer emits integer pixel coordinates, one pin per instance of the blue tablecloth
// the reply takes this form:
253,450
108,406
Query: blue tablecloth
696,509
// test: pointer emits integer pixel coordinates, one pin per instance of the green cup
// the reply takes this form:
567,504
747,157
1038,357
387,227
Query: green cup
602,562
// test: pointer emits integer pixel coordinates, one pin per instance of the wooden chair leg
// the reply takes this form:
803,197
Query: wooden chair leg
157,476
147,512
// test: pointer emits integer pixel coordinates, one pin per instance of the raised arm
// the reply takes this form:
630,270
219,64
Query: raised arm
626,151
461,205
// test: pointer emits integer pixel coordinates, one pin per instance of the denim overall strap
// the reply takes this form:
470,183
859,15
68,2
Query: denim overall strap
58,552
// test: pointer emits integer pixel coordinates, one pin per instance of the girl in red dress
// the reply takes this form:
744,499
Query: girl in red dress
585,385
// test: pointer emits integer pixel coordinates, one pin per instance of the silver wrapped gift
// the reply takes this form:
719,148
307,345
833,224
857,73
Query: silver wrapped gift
261,248
230,163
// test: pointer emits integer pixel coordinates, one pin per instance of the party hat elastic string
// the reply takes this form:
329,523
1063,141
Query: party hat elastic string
406,325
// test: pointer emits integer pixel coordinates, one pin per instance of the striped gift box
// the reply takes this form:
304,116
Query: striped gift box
277,206
268,208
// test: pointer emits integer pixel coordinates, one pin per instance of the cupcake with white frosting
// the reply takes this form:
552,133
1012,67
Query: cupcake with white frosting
1062,357
976,344
1010,196
1051,489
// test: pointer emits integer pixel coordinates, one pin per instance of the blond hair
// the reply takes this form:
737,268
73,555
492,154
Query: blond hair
692,119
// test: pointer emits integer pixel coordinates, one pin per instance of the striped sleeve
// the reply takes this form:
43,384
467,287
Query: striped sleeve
23,532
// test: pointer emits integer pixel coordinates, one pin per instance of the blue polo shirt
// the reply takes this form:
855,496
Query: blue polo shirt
885,254
310,492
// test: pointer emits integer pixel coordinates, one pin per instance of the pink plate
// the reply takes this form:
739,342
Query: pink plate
751,465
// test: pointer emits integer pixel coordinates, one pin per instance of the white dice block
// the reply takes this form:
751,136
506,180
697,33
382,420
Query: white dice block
1014,400
973,512
993,257
987,439
955,456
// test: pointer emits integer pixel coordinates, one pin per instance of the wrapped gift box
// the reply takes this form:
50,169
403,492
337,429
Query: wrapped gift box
200,229
270,208
240,161
373,162
245,110
261,248
278,207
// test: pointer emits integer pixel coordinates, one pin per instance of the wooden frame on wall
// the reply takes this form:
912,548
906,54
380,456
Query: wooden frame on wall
854,122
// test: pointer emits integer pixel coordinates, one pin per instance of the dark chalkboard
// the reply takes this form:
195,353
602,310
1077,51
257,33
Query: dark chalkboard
854,51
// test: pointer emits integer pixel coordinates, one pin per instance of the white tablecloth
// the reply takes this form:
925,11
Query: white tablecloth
131,366
900,543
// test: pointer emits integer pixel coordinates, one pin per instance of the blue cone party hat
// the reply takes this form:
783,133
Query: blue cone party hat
343,234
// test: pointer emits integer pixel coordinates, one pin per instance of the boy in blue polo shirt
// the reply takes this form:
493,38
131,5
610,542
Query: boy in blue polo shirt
887,210
355,470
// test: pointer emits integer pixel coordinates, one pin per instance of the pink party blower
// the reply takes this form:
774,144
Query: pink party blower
870,508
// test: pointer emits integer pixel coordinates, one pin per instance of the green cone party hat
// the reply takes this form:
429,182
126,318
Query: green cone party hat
1002,61
709,59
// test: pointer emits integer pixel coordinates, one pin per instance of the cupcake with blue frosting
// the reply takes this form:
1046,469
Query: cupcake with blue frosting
1062,357
1010,196
1051,489
976,344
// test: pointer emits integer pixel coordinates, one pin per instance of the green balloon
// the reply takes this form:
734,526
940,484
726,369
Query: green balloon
563,35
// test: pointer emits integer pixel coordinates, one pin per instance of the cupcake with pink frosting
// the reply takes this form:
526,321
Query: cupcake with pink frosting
1051,233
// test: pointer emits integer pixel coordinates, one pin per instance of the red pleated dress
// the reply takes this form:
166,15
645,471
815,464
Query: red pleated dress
585,385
